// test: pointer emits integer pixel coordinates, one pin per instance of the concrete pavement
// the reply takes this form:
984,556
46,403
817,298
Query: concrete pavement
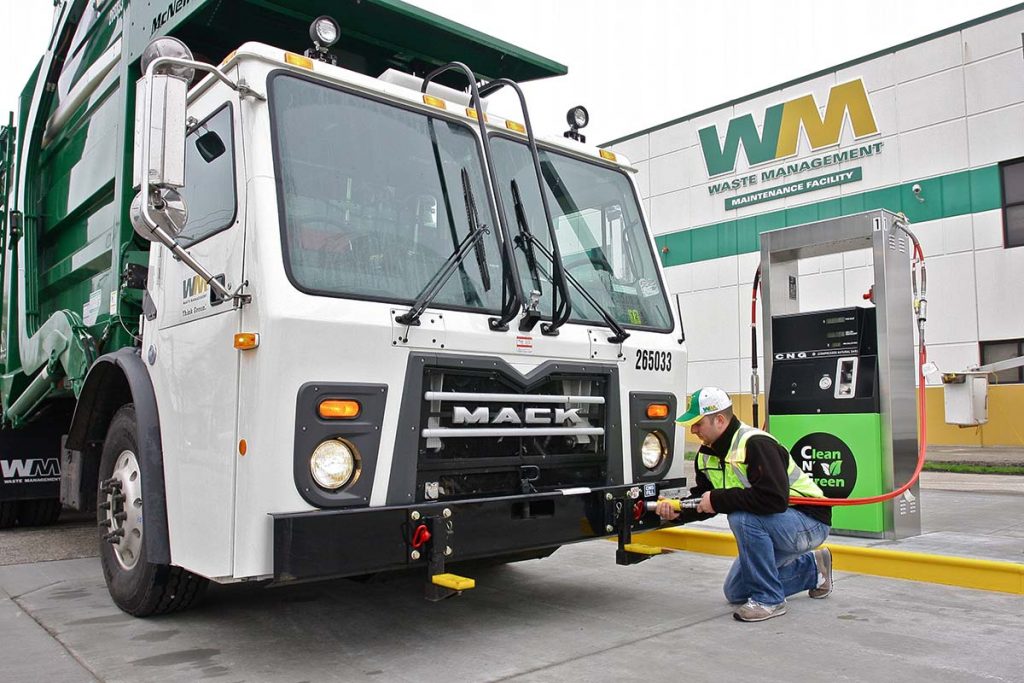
575,615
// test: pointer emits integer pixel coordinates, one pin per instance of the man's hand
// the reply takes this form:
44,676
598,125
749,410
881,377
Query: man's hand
665,511
705,504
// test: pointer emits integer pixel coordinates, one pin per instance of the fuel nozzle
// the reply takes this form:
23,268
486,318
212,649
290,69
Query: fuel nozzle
675,503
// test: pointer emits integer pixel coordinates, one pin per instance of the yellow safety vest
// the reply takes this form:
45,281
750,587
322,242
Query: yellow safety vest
733,473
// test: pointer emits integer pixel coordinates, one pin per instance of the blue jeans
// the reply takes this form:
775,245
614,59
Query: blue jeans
774,559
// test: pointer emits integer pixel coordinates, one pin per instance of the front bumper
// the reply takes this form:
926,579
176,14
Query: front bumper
335,543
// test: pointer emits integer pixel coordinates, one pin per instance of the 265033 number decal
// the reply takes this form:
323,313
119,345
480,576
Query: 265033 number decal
657,361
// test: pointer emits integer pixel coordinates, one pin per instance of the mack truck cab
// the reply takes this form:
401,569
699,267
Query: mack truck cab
352,320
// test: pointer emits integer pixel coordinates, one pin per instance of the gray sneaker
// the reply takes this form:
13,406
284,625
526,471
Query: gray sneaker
823,558
753,610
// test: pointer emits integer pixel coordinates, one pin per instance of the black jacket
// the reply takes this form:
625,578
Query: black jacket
767,467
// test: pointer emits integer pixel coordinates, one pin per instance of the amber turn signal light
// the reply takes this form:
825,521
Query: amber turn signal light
657,411
338,409
244,341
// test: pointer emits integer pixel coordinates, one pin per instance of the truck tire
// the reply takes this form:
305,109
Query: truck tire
38,512
8,513
138,587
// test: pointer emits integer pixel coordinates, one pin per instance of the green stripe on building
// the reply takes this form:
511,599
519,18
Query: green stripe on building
955,194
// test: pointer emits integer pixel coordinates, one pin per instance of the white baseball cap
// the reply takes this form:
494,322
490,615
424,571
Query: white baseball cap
704,401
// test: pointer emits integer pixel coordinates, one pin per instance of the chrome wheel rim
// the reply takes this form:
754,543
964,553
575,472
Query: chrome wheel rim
124,509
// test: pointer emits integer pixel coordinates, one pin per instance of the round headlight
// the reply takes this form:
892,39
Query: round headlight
578,117
325,31
333,464
653,450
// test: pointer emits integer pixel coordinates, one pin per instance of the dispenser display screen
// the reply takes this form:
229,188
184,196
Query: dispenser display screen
839,332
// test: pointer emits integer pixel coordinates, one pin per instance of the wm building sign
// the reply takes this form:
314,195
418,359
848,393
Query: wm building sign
779,137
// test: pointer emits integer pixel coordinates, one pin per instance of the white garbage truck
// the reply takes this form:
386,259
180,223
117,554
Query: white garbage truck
284,299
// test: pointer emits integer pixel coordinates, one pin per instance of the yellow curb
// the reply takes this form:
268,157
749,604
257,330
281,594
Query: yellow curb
990,575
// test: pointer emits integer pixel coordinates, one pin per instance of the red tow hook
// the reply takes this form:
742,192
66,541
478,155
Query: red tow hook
420,536
639,508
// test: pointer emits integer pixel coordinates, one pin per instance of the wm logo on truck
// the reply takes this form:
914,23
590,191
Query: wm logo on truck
193,286
781,128
30,469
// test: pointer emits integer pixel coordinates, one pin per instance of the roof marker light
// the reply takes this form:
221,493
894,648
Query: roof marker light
434,102
298,60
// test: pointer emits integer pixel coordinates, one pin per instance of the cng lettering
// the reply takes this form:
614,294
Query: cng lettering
781,126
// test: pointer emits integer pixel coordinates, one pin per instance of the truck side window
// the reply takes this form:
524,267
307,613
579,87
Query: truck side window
209,190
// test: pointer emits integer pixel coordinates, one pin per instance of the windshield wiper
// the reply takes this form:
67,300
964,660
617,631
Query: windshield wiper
467,284
524,240
527,241
470,241
474,220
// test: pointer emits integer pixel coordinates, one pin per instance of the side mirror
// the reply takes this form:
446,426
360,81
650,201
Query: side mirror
210,146
158,212
160,131
160,111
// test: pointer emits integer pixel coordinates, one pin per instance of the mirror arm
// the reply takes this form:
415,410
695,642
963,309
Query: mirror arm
187,259
242,88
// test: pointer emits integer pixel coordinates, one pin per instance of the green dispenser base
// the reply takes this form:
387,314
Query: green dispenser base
843,454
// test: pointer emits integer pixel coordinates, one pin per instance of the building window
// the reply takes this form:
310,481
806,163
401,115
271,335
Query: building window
994,351
1012,173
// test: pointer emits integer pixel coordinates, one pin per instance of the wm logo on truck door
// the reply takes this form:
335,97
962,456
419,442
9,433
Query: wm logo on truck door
193,286
781,128
30,469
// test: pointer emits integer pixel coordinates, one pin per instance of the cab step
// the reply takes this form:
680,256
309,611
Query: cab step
453,582
642,549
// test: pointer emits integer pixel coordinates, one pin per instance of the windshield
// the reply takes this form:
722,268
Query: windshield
600,234
373,199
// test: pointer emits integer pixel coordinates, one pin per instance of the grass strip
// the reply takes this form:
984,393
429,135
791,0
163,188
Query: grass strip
972,468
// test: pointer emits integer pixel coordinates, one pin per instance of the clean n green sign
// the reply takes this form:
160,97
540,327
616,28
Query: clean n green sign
851,175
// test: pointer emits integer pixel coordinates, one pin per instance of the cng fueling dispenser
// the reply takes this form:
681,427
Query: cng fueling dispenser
840,382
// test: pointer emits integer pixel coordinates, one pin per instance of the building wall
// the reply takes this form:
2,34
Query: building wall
948,110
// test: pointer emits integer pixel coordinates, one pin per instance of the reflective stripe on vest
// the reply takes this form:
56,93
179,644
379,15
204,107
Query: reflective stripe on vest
735,475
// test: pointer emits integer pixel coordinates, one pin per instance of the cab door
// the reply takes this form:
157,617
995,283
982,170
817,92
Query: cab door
192,359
